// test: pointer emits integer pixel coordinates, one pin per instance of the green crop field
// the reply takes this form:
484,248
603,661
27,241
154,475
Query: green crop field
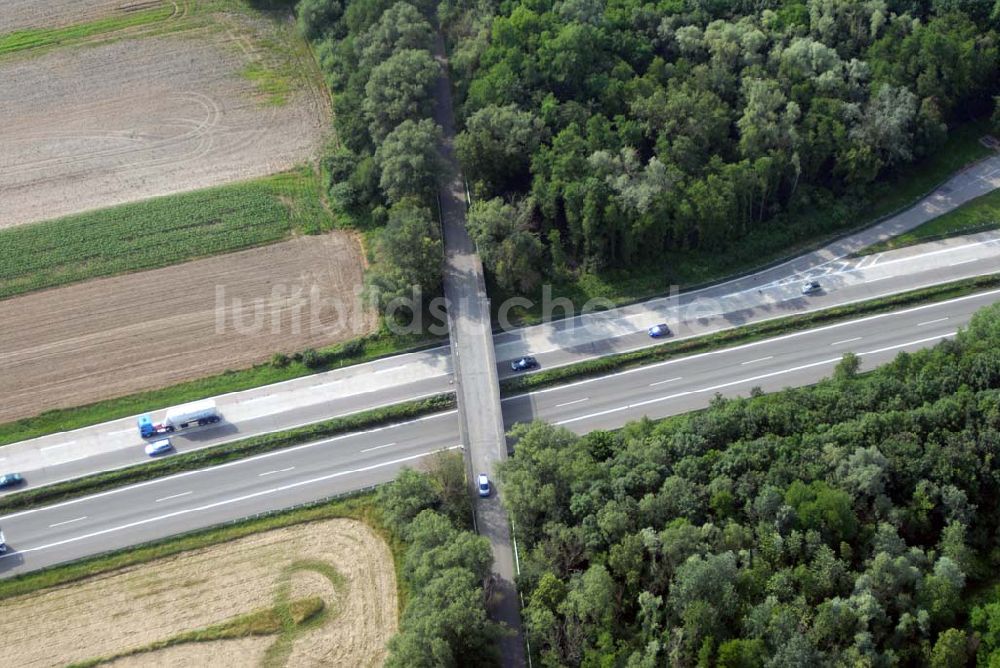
160,231
39,38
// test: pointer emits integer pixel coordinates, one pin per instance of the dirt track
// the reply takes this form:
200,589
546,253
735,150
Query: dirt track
109,337
133,607
92,126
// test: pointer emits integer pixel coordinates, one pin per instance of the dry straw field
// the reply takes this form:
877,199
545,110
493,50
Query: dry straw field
340,561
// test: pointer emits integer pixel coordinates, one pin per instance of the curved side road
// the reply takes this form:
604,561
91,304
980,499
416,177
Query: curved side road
187,501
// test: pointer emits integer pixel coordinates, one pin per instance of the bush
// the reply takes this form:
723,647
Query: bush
312,359
280,360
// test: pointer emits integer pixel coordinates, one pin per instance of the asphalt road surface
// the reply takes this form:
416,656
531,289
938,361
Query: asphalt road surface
197,499
402,377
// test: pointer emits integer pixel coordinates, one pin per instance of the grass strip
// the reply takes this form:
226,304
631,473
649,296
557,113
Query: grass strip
356,351
745,334
978,215
357,506
268,621
220,454
161,231
37,38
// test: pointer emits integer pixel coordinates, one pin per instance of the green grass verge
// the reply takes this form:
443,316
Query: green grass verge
745,334
39,38
356,351
978,215
220,454
161,231
785,236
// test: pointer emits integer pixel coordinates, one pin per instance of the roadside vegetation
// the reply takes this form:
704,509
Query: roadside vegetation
979,215
160,231
849,523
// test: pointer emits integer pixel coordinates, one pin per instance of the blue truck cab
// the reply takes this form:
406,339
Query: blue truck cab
146,427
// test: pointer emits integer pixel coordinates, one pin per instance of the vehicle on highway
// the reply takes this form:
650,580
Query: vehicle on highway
810,288
180,417
10,480
3,542
524,363
484,485
158,447
656,331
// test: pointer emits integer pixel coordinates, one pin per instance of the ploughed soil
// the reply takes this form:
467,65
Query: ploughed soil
113,336
202,98
130,608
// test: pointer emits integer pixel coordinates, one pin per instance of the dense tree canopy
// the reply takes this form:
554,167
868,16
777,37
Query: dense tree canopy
691,124
853,523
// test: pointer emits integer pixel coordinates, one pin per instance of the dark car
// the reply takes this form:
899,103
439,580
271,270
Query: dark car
10,480
523,364
657,331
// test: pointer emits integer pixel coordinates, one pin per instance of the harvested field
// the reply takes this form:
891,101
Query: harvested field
113,336
131,608
216,97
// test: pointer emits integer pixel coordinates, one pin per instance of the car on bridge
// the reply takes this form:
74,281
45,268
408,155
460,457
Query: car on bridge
484,485
524,363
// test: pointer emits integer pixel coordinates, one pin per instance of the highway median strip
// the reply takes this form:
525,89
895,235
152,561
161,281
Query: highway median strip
222,454
510,387
741,335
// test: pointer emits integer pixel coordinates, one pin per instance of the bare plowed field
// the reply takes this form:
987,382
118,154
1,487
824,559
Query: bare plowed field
90,126
134,607
109,337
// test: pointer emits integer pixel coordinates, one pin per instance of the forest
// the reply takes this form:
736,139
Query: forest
852,523
611,131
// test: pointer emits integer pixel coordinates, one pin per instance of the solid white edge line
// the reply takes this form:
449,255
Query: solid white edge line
224,502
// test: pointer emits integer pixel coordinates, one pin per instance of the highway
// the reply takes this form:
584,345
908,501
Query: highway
187,501
421,374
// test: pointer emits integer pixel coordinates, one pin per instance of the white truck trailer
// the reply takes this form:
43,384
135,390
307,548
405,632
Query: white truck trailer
181,417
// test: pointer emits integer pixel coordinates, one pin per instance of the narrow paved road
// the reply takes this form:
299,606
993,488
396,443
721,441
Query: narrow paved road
476,380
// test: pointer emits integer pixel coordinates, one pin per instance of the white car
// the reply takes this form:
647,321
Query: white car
484,485
812,287
3,543
158,447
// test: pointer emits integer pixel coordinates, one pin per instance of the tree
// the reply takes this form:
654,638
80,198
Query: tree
315,16
409,160
399,89
496,146
405,497
951,650
408,254
401,27
823,508
508,248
